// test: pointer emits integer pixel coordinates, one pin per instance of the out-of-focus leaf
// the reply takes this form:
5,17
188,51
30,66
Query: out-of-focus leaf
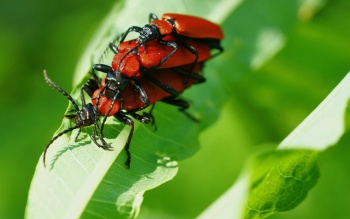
280,180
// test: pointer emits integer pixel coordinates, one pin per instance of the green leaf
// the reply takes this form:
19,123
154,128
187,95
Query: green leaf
326,124
82,180
347,116
279,180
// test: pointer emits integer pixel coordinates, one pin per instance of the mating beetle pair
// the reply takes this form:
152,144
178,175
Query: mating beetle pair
163,61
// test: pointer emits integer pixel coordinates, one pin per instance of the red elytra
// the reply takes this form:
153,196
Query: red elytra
189,26
131,100
152,53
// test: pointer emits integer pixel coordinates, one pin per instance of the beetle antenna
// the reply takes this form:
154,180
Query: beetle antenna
54,138
55,86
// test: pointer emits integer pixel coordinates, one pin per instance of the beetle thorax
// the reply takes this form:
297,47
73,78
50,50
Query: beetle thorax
148,33
115,83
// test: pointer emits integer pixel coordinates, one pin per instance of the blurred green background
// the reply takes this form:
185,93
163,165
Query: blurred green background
264,105
36,35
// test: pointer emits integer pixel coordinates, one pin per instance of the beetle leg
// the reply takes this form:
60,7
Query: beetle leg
161,85
95,140
104,145
150,117
130,29
105,118
141,118
193,51
127,121
70,116
76,137
144,118
213,44
112,45
141,92
182,104
114,48
152,17
90,86
170,44
96,82
192,75
101,132
102,68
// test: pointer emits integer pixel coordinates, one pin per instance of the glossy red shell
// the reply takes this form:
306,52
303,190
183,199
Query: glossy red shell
164,27
194,27
151,55
130,65
105,103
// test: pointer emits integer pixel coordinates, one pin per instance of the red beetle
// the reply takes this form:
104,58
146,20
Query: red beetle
151,55
129,100
130,81
144,71
137,78
128,66
179,27
128,103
